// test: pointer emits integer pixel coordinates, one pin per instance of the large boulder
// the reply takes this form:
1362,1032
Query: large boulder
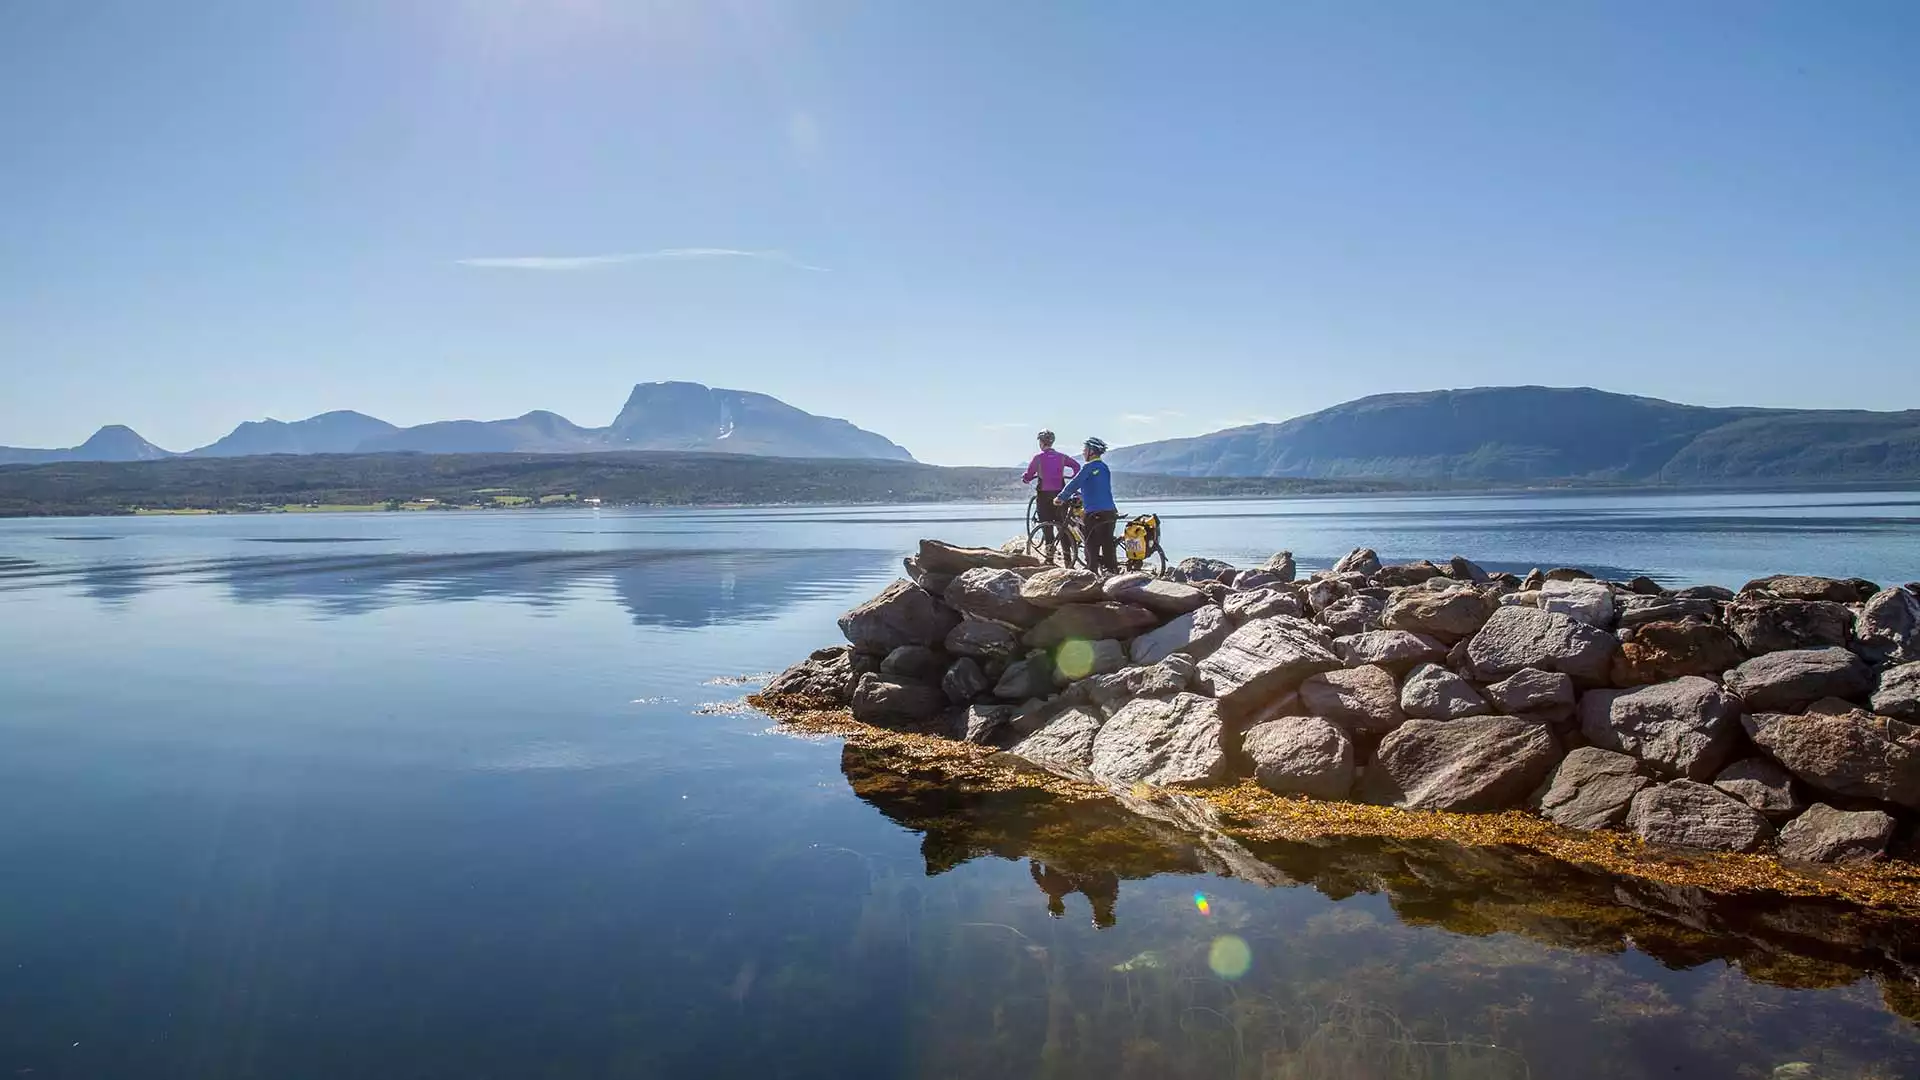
1078,659
983,725
1521,637
1164,679
1364,700
1064,744
1764,624
937,557
935,584
1245,580
1590,602
1824,834
1632,611
1531,690
1358,561
1446,614
914,663
1195,634
1705,592
1400,575
1658,651
1689,814
1166,599
1686,728
1301,755
1060,586
882,702
1167,742
1431,692
1592,789
1763,784
1844,751
1887,629
903,614
1464,569
1804,587
1024,679
1483,763
1244,607
1351,615
824,680
964,681
1260,661
987,593
1282,564
1898,692
1324,592
1090,622
982,640
1198,570
1786,681
1396,650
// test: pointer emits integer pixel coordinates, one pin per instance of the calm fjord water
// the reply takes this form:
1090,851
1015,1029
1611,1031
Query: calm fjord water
433,795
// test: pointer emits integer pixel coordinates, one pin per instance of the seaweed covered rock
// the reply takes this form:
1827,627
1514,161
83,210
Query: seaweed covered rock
1685,728
1483,763
903,614
1301,755
1592,789
1167,742
1688,814
1824,834
1796,678
1260,661
1515,638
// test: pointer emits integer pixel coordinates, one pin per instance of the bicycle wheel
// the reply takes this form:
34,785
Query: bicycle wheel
1071,542
1033,508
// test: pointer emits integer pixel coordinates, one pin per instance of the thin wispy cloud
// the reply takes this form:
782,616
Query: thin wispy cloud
1151,418
618,258
1005,425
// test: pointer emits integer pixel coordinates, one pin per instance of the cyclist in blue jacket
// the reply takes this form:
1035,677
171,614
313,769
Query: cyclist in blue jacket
1094,484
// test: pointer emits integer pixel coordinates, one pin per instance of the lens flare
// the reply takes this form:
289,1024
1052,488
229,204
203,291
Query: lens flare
1075,659
1200,901
1229,957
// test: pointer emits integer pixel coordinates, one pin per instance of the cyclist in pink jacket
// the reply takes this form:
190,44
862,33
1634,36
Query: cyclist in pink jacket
1051,468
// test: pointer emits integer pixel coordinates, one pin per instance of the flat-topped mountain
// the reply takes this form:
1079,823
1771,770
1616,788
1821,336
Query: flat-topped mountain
1509,434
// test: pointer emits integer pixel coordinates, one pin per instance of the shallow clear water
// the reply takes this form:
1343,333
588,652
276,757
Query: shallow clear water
425,795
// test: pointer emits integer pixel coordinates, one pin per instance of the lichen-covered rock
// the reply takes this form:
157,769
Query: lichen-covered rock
937,557
1519,637
1064,743
1887,629
964,681
1196,634
1431,692
982,640
1685,728
1632,611
1396,650
988,593
1659,651
1763,784
1688,814
1301,755
884,703
1090,622
1785,681
1845,751
1590,602
1260,661
1351,615
1898,692
1364,700
1028,678
914,663
1166,599
1531,690
1358,561
823,680
1059,586
1764,624
1592,789
903,614
1480,764
1824,834
1446,614
1804,587
1244,607
1167,742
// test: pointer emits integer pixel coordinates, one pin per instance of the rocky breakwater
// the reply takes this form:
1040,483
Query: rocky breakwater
1777,719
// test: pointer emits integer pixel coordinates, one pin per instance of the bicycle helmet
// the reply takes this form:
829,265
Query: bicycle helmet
1098,446
1045,436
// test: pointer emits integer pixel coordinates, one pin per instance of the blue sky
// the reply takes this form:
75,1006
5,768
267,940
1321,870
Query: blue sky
947,222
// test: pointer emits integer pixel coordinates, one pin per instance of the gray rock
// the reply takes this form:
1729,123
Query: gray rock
1531,689
1164,679
964,681
1645,586
1688,814
1243,607
1632,611
1448,614
1659,651
914,663
1804,587
1358,561
992,594
1533,580
1480,764
1784,681
1824,834
1059,586
1400,575
823,680
903,614
1163,742
1396,650
937,557
1282,564
1076,659
1364,700
1260,661
1064,743
1323,593
1590,602
1248,580
1198,570
884,703
1887,629
1090,622
1196,634
1763,624
935,584
1465,569
1166,599
1705,592
1431,692
983,725
1592,789
1023,679
1762,784
1568,573
1518,637
1846,752
1301,755
1898,692
982,640
1351,615
1686,728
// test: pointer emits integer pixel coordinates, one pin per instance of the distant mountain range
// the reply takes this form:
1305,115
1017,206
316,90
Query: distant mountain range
657,416
1525,434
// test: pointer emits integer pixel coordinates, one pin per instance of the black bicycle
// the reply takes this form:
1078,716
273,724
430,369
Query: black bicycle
1068,533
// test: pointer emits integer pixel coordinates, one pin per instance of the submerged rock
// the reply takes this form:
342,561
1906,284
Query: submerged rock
1824,834
1686,728
1794,679
1164,742
1483,763
1260,661
1364,700
1432,692
1592,789
1301,755
1519,637
903,614
1688,814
